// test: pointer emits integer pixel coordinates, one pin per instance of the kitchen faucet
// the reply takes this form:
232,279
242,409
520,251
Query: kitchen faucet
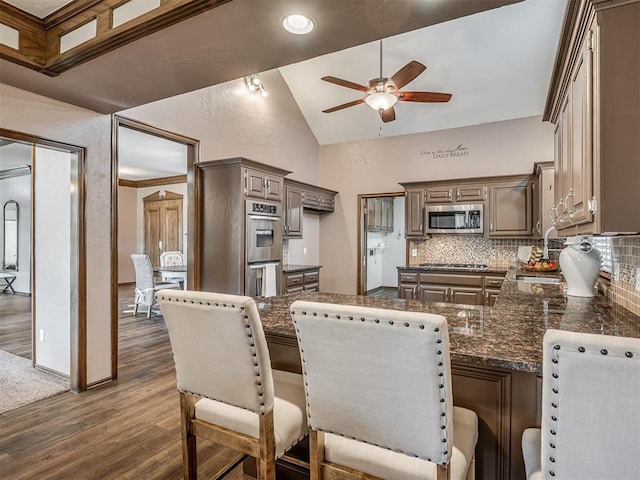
545,253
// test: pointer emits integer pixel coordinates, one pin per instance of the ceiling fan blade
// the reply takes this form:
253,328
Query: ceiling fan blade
345,83
407,73
423,96
388,115
344,105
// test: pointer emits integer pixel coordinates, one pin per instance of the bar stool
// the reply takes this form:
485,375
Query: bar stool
228,392
590,409
379,402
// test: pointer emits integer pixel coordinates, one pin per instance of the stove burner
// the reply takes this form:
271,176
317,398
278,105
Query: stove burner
453,266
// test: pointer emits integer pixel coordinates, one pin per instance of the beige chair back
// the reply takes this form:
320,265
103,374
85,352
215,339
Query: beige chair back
591,406
378,376
219,347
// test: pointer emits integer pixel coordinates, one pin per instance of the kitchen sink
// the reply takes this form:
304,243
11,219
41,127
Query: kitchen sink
534,279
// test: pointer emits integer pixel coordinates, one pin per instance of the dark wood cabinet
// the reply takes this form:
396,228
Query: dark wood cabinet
511,208
449,286
293,212
260,184
439,194
455,193
593,103
380,214
414,212
301,280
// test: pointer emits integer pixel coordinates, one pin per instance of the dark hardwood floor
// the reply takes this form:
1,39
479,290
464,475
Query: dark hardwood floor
126,430
383,292
15,324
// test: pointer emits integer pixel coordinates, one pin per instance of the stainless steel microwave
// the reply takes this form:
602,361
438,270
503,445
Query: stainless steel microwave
468,218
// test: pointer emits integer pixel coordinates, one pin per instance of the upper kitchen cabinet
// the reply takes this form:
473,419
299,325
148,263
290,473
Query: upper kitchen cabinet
510,210
293,212
455,193
263,184
414,211
543,199
594,102
302,196
380,214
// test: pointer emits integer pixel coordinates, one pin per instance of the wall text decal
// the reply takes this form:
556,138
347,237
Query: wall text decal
447,152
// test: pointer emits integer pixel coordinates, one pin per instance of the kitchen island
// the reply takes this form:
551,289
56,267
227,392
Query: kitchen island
496,353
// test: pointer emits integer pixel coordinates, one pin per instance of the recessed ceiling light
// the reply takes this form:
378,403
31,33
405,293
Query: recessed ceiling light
298,24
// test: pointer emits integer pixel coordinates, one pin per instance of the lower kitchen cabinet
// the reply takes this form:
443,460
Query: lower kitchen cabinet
301,279
449,287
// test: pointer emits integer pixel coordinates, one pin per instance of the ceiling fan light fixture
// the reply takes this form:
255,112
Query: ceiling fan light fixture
381,101
297,24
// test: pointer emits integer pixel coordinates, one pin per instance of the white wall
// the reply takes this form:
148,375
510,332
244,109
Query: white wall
41,116
376,166
309,241
231,122
52,259
19,189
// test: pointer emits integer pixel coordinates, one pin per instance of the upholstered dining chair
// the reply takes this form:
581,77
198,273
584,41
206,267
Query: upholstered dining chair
228,392
172,259
146,286
590,409
379,402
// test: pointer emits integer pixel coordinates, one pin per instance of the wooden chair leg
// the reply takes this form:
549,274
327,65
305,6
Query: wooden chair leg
443,472
471,473
267,460
316,454
189,451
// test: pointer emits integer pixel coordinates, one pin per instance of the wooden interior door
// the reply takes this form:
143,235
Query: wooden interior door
162,224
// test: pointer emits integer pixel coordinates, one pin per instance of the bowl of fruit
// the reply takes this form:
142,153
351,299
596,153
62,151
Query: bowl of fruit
538,264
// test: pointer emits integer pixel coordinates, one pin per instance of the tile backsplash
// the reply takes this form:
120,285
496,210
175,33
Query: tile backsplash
497,253
624,252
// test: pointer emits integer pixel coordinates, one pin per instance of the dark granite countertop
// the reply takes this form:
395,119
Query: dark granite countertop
507,335
291,268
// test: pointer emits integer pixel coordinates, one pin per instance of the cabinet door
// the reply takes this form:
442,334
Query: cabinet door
274,187
414,212
466,295
580,189
433,293
490,297
387,214
374,214
293,213
439,195
407,291
545,202
470,193
510,209
254,184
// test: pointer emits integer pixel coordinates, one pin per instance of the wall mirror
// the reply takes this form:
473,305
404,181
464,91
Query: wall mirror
10,214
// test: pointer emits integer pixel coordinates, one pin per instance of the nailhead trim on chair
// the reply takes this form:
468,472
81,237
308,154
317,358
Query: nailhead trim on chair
440,364
249,332
554,403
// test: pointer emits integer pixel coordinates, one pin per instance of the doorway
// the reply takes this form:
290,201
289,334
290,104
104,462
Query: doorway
48,190
382,244
152,187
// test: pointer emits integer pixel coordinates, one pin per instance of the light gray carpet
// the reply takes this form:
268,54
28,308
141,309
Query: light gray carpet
22,384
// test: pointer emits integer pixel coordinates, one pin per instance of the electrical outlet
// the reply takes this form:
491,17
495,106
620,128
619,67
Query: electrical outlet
637,279
414,252
42,334
304,251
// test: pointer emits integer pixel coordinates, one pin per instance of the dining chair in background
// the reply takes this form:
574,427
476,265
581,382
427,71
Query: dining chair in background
379,401
228,392
146,286
173,259
590,409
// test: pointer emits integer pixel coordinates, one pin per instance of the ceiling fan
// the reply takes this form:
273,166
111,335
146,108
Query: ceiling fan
383,93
